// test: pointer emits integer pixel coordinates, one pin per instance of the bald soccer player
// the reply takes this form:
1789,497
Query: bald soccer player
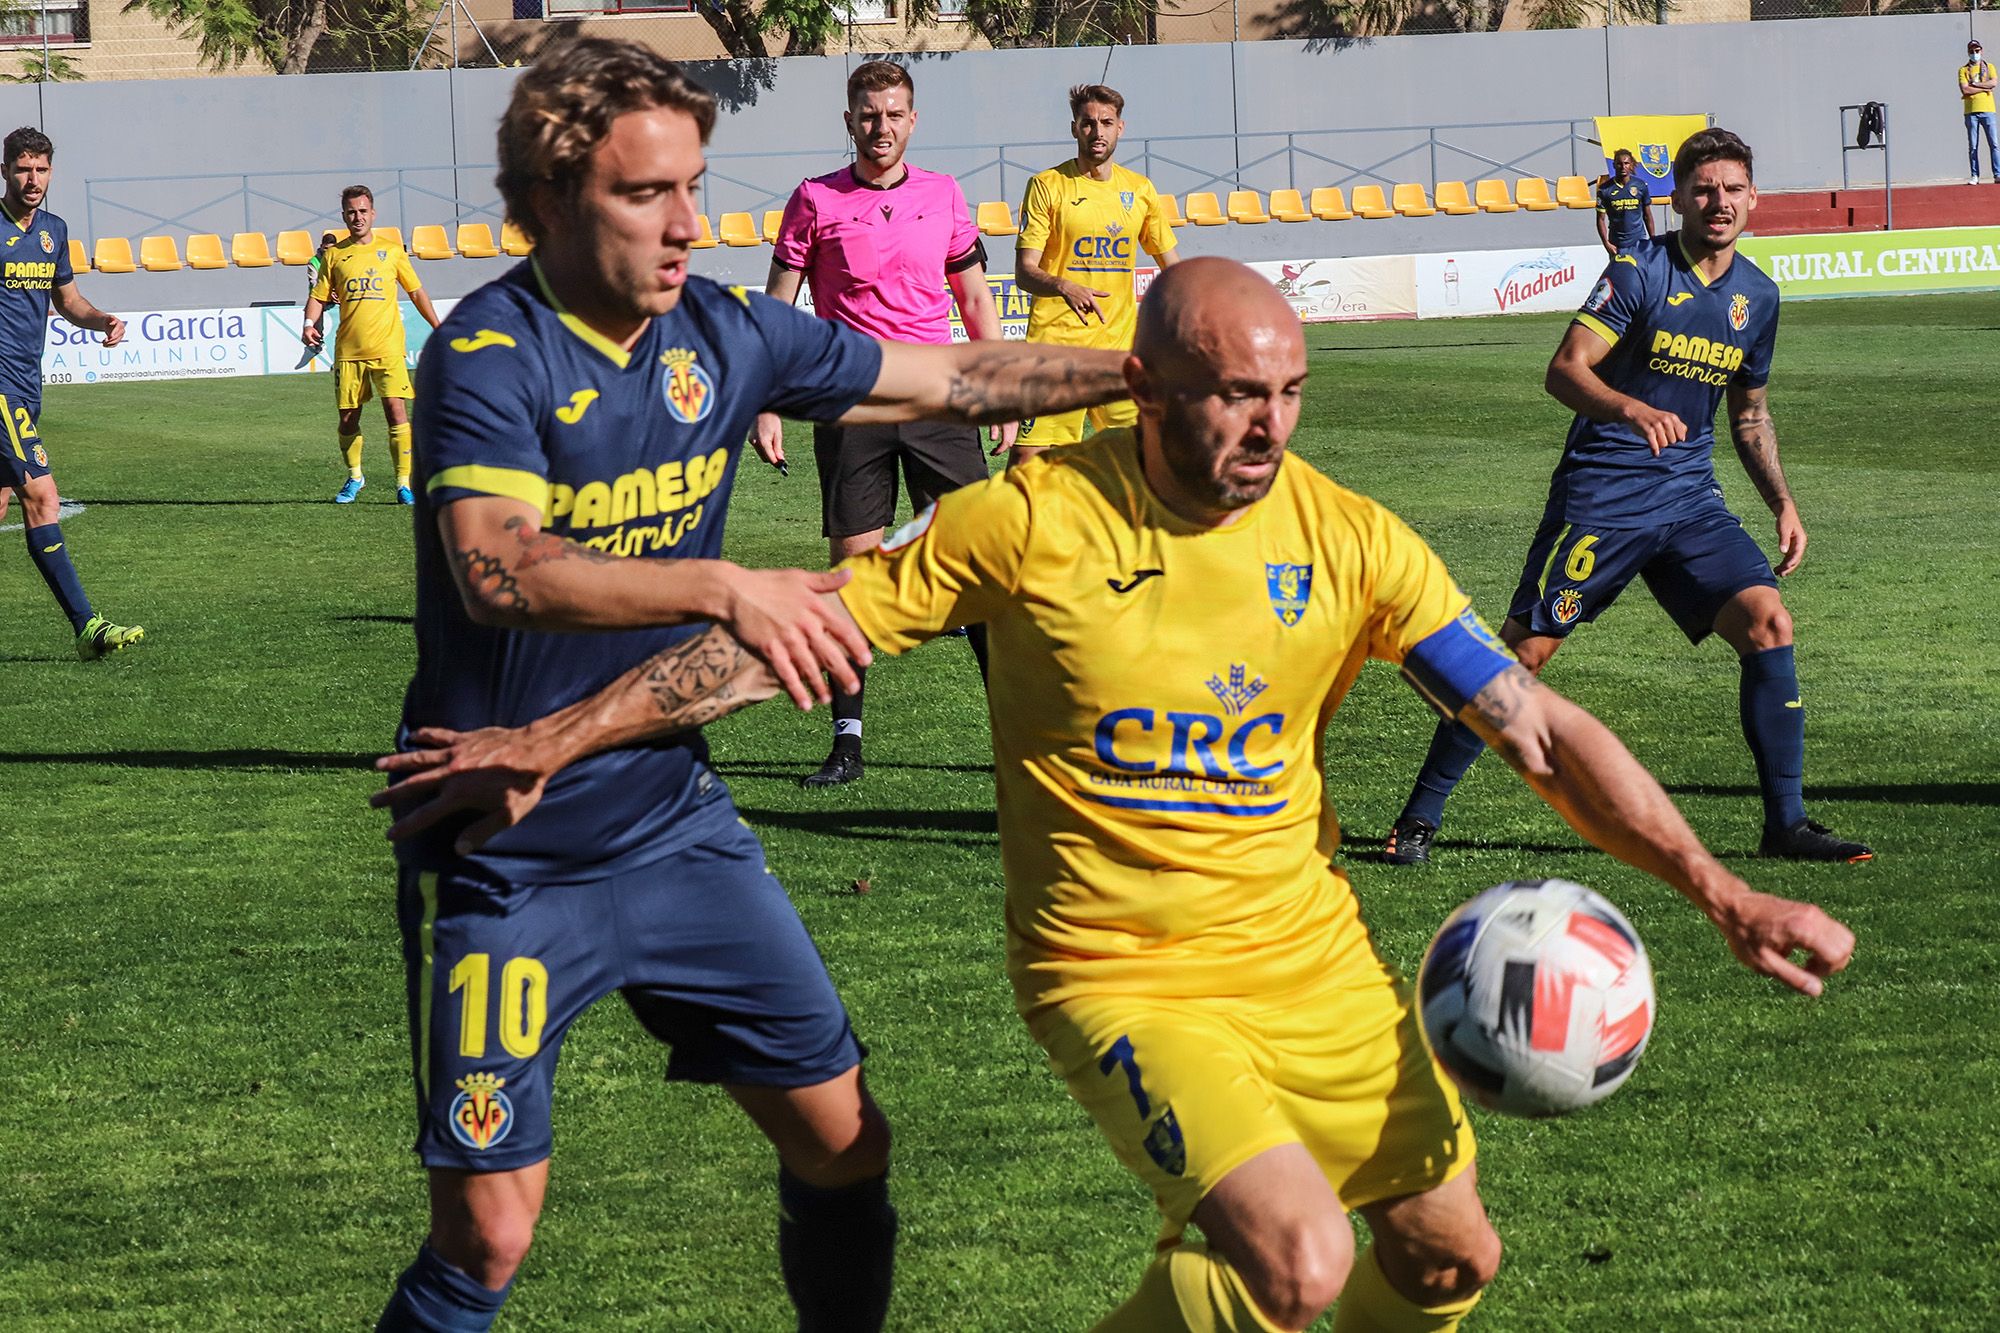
1178,940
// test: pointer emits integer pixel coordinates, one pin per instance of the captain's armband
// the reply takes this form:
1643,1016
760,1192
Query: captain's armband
1455,663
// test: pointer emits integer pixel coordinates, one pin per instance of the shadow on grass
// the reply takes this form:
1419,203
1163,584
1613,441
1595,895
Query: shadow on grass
1908,793
183,502
885,825
197,759
376,620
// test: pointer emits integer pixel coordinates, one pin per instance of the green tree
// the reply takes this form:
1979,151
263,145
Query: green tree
285,34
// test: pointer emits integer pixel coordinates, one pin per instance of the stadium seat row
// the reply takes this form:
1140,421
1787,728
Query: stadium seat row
252,249
1329,203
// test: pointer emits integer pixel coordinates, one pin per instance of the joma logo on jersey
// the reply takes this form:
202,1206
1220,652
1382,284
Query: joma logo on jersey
1290,587
1101,247
481,1114
645,493
689,392
579,403
1198,745
480,341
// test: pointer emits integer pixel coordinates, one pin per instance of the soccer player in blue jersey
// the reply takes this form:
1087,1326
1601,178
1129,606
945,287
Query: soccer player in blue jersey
1673,327
579,437
34,247
1624,206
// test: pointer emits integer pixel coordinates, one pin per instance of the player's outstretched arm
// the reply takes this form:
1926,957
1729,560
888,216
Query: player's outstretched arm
513,575
982,324
1573,381
501,772
421,299
1032,278
84,315
1756,439
985,382
1575,764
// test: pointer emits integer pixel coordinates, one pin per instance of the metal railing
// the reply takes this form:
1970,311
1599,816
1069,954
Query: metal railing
1850,142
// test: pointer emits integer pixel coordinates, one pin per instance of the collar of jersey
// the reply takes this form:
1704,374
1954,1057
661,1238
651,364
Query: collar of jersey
16,223
1681,253
617,355
876,186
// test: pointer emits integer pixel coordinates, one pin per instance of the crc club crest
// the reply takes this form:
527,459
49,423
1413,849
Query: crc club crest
1238,692
1290,587
1655,158
689,392
1739,311
1567,606
48,243
1165,1145
382,255
481,1114
1125,198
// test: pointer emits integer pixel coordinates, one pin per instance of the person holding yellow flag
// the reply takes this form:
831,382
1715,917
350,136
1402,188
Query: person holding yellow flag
1975,88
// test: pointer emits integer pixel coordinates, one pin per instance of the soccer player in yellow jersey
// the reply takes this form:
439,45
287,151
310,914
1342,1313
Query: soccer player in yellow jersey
1175,612
1082,226
363,275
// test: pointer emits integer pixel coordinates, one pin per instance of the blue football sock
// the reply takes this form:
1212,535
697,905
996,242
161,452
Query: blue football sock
1774,722
838,1251
51,556
434,1297
1453,749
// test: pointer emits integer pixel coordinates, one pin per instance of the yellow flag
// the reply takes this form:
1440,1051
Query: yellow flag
1653,140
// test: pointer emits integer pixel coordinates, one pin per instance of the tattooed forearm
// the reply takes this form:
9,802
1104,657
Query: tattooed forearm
1503,697
694,683
488,582
540,548
1006,383
1757,447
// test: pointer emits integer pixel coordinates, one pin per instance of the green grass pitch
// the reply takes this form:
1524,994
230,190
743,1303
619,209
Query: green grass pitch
204,1095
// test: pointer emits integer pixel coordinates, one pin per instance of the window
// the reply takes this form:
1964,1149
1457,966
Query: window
64,22
869,11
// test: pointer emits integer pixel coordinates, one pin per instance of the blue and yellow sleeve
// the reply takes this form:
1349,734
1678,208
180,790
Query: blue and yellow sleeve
1455,663
480,433
65,275
956,563
1755,372
1618,299
818,369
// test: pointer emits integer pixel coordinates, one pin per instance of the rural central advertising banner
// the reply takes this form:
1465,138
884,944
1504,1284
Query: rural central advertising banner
1506,282
1881,263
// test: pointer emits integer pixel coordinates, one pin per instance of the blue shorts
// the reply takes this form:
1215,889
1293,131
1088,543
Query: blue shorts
1692,567
22,457
704,946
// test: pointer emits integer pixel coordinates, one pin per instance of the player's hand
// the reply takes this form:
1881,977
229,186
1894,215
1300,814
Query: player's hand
1003,436
1659,429
1765,931
767,437
114,330
1083,300
496,772
1791,539
781,616
313,336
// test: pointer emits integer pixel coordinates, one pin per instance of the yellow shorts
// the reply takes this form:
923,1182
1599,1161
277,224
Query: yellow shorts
1067,427
355,382
1189,1090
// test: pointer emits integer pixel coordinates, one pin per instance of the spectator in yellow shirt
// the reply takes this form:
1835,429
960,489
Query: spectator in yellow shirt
1975,86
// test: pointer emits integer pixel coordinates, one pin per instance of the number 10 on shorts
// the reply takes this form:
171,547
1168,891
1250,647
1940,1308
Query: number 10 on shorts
524,1004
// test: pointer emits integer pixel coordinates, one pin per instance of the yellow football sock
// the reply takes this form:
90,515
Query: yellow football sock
350,449
399,445
1189,1288
1368,1304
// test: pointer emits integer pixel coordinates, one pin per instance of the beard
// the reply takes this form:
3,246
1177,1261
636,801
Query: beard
1204,475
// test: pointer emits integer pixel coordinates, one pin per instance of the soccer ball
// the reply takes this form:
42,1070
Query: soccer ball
1537,997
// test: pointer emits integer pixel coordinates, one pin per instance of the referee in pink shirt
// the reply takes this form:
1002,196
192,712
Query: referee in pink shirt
880,241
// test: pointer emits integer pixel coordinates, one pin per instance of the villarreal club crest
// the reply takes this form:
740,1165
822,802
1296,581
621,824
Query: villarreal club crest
689,392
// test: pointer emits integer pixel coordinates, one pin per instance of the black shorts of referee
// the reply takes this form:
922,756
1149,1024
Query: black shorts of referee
857,470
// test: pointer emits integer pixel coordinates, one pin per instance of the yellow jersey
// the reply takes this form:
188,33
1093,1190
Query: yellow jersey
1091,232
363,280
1157,692
1975,71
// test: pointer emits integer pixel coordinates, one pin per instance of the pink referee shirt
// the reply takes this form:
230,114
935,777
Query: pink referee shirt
877,258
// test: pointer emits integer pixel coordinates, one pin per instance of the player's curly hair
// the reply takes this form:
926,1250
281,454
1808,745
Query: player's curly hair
1083,94
27,141
563,106
1711,145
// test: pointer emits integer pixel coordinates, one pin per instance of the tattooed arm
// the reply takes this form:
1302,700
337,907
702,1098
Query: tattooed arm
513,574
1575,764
986,382
500,772
1757,446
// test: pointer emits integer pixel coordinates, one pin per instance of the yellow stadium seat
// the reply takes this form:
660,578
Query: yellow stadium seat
1532,193
295,247
1492,197
1287,206
1170,208
997,219
250,249
1575,192
1330,205
707,238
740,229
1204,210
475,240
205,251
773,219
159,254
429,242
79,258
1410,201
389,234
1453,199
1370,202
514,241
113,254
1247,206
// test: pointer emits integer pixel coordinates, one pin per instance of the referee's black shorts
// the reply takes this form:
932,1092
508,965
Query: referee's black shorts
857,470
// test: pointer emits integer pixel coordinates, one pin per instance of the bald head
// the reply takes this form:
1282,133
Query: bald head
1202,310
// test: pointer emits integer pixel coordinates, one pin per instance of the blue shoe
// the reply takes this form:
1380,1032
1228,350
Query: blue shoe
405,496
350,492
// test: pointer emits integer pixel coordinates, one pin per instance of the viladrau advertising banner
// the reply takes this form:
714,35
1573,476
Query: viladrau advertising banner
1507,282
1881,263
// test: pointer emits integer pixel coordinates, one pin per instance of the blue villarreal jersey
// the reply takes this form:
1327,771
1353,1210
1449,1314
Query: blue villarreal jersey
631,453
1678,342
34,261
